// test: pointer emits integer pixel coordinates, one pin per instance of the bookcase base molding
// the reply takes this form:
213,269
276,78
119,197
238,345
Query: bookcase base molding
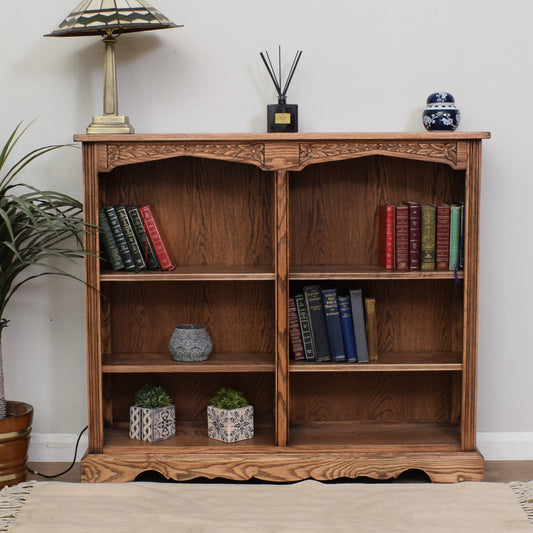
282,467
250,221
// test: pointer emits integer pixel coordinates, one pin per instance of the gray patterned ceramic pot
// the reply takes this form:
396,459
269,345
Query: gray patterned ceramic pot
190,342
440,113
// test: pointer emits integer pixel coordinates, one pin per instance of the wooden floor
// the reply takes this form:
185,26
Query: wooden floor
495,471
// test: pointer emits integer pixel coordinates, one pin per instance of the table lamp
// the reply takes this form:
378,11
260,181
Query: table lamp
110,18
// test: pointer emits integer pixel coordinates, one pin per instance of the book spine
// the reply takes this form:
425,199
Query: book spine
305,327
401,237
345,313
371,328
317,318
145,244
131,239
108,242
386,236
155,236
442,238
428,220
414,235
120,239
455,235
333,324
358,319
295,334
462,238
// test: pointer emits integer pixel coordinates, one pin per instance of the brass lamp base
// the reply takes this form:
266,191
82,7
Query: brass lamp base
110,124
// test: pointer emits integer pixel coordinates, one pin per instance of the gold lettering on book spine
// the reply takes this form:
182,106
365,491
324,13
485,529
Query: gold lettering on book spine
318,151
123,154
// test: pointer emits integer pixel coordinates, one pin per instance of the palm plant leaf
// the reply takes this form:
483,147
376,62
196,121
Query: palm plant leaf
36,228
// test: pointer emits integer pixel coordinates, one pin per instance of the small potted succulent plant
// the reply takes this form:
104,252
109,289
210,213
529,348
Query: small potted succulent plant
152,416
229,417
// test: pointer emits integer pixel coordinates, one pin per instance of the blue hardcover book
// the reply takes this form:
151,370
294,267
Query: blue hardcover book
333,323
359,329
345,312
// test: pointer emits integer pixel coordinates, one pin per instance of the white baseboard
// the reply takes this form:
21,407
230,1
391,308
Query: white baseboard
55,447
512,446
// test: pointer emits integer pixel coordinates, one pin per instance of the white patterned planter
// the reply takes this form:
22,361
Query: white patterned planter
230,425
152,425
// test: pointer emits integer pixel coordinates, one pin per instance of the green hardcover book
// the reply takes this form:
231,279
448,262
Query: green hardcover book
455,235
428,218
120,239
133,245
145,244
305,327
108,242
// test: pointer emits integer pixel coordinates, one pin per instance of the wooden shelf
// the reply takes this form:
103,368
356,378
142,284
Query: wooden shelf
200,273
387,436
364,272
163,363
187,436
390,362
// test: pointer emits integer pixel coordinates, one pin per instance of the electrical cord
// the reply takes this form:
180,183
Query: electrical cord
50,476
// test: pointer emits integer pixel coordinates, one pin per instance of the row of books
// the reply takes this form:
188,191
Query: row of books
131,239
327,326
415,236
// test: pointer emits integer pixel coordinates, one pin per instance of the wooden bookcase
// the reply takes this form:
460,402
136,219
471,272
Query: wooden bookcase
249,219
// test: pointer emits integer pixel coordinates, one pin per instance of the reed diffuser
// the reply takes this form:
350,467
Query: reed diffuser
281,116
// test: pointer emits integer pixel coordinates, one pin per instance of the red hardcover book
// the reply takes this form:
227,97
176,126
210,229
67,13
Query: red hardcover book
386,236
401,237
442,239
414,235
295,334
156,238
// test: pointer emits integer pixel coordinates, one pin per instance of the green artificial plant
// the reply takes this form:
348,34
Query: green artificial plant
151,396
227,398
36,227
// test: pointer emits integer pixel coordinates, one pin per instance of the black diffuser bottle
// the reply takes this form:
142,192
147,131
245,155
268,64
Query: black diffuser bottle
281,117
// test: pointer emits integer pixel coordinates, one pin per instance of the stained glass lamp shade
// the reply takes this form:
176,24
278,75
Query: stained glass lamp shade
110,18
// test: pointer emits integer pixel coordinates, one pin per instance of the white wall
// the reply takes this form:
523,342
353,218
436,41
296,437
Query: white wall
368,65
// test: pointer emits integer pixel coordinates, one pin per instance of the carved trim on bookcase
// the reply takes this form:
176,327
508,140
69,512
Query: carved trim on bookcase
123,154
319,151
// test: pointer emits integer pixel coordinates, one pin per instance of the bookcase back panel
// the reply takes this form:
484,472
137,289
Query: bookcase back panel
387,397
192,393
334,206
411,315
239,316
210,213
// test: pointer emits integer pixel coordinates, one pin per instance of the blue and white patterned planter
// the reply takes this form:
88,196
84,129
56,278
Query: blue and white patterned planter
440,113
152,425
230,425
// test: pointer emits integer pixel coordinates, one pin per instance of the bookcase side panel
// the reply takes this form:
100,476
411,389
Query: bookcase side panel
92,301
473,191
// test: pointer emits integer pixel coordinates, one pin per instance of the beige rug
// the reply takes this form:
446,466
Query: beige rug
52,507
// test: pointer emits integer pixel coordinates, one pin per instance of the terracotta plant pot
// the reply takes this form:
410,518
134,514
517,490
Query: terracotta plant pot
15,432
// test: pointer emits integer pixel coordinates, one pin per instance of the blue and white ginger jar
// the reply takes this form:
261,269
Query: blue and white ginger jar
440,113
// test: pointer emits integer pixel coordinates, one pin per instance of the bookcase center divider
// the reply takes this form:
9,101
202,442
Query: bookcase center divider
249,221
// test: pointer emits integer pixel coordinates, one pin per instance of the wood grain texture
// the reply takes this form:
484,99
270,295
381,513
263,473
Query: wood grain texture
249,219
440,467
